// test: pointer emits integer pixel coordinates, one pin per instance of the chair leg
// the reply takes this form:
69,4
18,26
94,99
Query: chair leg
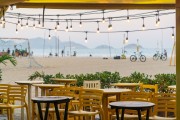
27,112
11,114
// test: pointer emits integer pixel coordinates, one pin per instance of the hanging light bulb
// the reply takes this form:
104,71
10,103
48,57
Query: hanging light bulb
110,25
21,24
16,29
27,23
158,19
172,33
143,26
103,19
128,16
71,25
57,23
49,35
55,29
34,26
126,41
86,37
18,20
39,22
80,23
98,27
67,26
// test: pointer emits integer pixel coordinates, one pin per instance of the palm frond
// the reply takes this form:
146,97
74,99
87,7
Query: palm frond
5,58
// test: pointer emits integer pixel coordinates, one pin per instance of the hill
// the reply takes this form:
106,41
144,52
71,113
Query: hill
132,46
38,43
103,47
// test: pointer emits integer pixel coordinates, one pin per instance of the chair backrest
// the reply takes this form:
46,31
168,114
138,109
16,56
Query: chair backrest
165,104
90,98
136,96
94,84
149,88
4,91
17,93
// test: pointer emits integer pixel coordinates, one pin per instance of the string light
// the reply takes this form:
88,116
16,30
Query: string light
67,26
49,35
27,23
71,25
103,19
86,37
126,41
110,25
128,16
98,27
143,26
80,23
16,29
172,33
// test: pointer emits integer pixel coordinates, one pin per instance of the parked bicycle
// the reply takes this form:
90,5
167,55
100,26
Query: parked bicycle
162,56
139,56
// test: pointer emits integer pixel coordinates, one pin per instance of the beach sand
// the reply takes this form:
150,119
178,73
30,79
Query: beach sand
78,65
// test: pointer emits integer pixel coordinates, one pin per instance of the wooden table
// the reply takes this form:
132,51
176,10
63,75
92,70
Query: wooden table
106,94
29,84
131,86
44,87
65,81
132,105
52,99
172,87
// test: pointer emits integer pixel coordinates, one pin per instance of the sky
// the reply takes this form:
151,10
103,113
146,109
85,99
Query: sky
147,39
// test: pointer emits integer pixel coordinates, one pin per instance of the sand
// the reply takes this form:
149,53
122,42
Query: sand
78,65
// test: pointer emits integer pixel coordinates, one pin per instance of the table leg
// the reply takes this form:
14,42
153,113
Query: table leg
66,111
105,107
40,111
117,114
139,114
147,114
46,113
29,101
122,114
57,111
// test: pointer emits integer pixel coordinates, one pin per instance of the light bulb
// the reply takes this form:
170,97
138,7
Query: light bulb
143,27
172,36
98,30
49,37
80,24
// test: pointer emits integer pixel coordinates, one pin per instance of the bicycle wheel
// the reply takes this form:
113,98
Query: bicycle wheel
163,58
133,58
142,58
155,57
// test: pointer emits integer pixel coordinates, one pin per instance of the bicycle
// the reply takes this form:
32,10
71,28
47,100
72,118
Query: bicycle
141,57
161,56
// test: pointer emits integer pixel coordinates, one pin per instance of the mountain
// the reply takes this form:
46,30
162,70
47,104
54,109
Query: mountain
38,43
103,47
132,46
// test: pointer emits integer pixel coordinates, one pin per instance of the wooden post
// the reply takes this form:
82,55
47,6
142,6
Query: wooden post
178,58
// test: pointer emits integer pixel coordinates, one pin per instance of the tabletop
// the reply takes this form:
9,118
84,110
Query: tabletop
50,98
131,104
28,82
172,87
125,84
47,85
114,90
63,80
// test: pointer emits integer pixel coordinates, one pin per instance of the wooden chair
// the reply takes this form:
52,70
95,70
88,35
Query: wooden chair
133,96
3,97
15,99
165,106
94,84
89,98
149,88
